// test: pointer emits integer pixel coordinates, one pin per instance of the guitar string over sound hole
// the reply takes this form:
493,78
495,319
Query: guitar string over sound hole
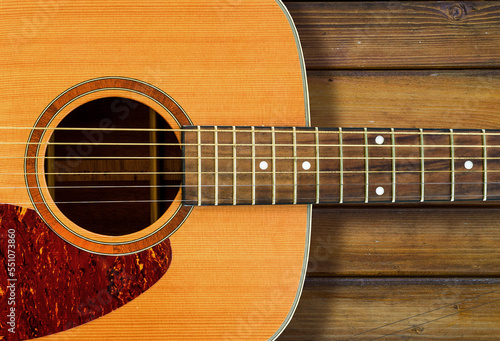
114,166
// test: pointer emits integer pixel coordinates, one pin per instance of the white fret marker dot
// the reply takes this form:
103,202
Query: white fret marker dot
379,140
306,165
263,165
380,191
468,164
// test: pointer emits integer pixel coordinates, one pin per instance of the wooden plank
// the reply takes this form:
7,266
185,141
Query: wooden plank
399,34
397,309
405,241
416,99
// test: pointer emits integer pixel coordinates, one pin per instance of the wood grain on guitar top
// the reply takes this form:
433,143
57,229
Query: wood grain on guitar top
235,272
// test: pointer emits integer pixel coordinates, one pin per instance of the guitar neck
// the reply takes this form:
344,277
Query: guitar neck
266,165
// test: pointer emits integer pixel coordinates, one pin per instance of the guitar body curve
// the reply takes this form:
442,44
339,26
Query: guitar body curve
233,272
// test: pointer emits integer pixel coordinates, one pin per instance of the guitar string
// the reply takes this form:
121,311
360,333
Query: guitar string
327,199
410,199
106,173
306,130
289,158
312,145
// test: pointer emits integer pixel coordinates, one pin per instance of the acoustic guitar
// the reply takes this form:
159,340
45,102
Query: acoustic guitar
159,169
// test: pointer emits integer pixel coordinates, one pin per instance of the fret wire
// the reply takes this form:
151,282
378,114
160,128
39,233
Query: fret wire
317,167
485,168
341,155
253,165
216,154
422,167
452,152
295,165
367,172
273,135
199,166
235,170
393,152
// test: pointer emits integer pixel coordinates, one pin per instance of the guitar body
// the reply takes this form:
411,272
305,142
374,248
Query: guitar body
227,272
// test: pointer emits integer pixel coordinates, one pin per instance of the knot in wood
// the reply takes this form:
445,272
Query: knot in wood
457,12
418,330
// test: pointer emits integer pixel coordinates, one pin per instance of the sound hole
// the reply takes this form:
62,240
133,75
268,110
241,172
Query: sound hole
119,171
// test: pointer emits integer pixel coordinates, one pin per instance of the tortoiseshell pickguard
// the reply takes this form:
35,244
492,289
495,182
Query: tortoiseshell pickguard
53,286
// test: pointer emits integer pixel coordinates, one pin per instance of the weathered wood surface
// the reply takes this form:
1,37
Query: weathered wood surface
415,99
416,240
406,271
397,309
399,34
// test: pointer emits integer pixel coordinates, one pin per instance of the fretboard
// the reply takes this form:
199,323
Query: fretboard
266,165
